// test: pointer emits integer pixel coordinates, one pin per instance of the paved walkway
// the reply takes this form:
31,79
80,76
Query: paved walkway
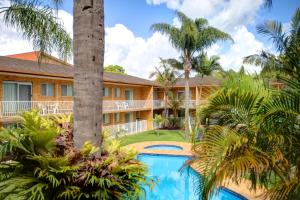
243,188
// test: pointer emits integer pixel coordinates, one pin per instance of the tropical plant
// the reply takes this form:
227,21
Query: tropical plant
166,77
257,136
33,166
174,103
159,121
192,37
205,65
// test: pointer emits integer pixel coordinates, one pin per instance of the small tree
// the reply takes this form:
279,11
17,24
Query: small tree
158,119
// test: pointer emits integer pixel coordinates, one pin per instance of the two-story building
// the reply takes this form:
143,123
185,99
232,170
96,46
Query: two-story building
128,102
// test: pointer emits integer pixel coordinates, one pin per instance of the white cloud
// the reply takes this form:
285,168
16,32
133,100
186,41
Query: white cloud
221,13
244,44
139,56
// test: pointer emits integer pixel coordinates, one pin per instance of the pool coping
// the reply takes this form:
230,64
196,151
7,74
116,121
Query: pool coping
243,188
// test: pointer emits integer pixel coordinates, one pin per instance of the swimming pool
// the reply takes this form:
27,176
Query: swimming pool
175,185
164,147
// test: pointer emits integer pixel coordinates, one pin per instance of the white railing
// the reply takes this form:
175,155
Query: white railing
14,108
189,103
126,129
158,104
109,106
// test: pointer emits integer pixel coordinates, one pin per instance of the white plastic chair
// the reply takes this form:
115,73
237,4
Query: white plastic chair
42,109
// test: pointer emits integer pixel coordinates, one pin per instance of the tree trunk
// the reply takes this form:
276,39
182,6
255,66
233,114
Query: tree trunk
88,65
186,100
165,104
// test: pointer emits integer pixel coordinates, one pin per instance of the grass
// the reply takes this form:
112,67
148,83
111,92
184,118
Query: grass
164,135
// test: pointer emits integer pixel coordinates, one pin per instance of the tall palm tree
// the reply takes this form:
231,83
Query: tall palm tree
88,78
192,37
166,77
37,21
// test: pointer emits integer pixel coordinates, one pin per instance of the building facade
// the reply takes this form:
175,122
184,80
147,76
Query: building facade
129,102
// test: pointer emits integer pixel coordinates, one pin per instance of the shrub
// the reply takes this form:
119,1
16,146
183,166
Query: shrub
38,160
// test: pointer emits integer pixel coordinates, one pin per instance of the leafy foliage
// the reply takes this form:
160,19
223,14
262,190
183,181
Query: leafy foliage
115,69
34,166
257,130
38,23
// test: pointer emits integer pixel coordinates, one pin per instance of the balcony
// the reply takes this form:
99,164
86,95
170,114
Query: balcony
130,128
11,109
132,105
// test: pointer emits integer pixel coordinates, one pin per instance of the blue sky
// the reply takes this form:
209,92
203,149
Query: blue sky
138,16
129,43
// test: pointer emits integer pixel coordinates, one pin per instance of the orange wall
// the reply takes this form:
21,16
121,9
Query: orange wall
139,92
37,87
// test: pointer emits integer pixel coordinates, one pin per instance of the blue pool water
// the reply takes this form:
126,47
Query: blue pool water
175,185
164,147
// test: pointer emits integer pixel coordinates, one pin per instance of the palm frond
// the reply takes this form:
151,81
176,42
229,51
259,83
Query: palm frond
274,30
39,25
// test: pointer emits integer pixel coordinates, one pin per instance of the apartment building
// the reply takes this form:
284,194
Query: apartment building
25,84
128,102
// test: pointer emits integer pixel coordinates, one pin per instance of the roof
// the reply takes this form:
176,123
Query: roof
197,81
34,56
14,65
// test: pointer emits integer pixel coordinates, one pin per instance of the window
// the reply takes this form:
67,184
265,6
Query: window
117,117
67,90
48,89
105,92
106,119
117,92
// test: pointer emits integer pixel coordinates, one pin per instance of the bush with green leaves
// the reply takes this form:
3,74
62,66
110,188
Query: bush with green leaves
38,160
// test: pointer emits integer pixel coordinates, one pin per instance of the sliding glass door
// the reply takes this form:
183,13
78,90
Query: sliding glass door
16,97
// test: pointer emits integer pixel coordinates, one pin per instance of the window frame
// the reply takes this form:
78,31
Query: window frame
69,90
117,92
47,90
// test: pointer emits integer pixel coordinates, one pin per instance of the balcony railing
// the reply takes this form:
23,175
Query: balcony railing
158,104
118,130
14,108
110,106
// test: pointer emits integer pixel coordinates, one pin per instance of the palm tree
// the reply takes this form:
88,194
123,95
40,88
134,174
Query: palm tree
205,65
88,78
192,37
166,77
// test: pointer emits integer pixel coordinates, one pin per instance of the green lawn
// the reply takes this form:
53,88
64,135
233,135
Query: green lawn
164,135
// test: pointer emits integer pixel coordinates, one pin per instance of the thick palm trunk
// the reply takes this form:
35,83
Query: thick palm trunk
186,101
88,77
